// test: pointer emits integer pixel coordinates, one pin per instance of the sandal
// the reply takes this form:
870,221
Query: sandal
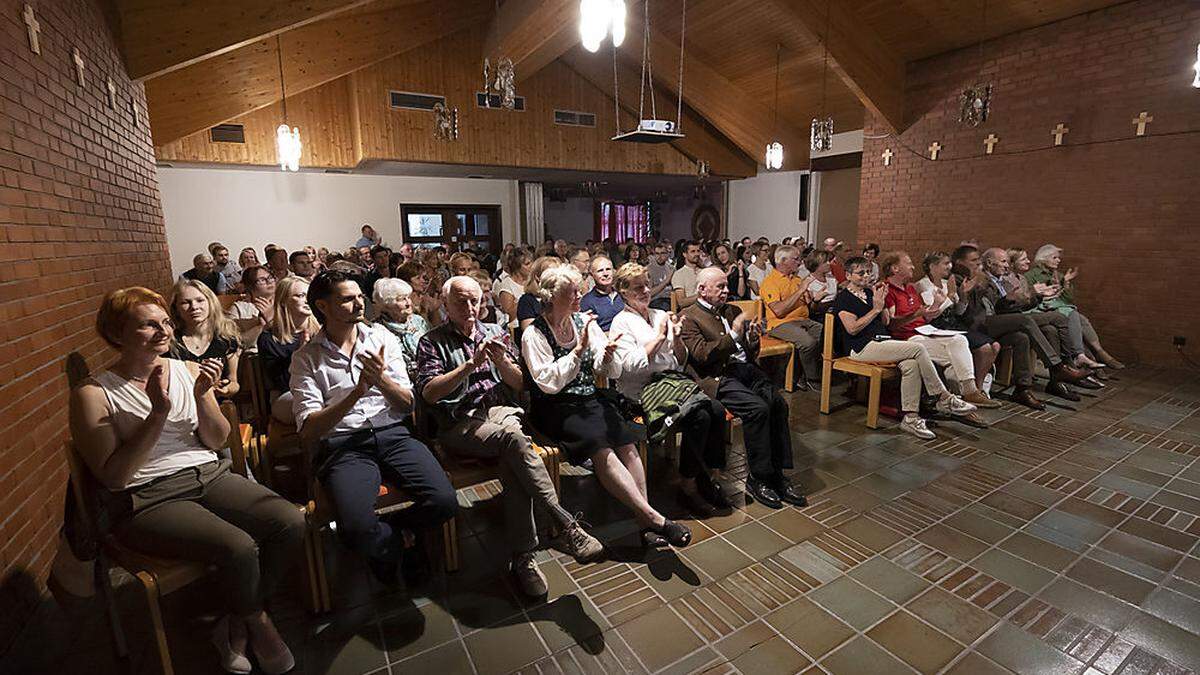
652,539
678,535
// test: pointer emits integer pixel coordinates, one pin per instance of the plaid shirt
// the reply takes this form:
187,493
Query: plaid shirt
443,349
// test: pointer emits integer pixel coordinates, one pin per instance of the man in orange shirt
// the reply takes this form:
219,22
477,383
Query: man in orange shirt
786,298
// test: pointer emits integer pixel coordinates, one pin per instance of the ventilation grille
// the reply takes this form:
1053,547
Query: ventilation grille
227,133
574,118
408,100
485,101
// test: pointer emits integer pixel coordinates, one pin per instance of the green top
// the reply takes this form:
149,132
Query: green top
1040,274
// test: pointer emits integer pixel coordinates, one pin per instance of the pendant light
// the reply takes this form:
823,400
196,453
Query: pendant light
774,155
596,17
287,139
1196,67
821,132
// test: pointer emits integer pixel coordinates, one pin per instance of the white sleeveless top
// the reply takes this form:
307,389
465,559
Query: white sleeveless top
178,447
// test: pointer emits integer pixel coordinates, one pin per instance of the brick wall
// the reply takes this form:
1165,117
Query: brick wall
1125,209
79,215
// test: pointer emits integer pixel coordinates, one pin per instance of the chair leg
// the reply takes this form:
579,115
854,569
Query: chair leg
644,451
104,583
318,542
826,385
789,378
150,584
450,544
314,586
873,402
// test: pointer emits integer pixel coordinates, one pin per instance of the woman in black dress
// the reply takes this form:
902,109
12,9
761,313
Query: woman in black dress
563,351
202,331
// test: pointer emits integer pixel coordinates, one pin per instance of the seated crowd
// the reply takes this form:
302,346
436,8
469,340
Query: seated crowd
596,348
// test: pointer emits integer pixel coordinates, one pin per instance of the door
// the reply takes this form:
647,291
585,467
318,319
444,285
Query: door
427,226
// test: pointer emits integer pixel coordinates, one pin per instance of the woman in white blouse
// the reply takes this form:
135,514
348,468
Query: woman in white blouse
563,350
984,349
649,344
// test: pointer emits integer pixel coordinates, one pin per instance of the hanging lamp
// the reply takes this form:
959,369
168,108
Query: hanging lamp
287,139
1196,67
596,17
821,132
774,154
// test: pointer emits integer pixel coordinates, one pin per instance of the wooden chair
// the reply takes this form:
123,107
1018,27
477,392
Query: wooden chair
769,346
875,371
227,300
158,576
1004,369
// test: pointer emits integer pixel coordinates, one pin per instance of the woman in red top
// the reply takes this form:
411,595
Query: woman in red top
909,313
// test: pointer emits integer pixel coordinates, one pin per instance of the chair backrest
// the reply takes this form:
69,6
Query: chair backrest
237,451
827,347
751,307
260,391
227,301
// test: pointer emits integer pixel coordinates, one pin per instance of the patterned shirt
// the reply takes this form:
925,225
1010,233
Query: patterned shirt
445,348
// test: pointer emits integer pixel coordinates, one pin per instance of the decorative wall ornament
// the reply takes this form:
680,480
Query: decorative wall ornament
934,149
133,111
702,169
1058,132
1196,67
821,134
111,90
34,29
1141,121
445,122
990,142
974,103
503,84
79,67
887,157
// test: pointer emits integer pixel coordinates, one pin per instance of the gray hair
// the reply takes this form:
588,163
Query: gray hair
389,289
1043,254
705,274
201,257
785,250
460,279
554,279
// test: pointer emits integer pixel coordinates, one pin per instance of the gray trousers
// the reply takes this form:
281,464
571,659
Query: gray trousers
499,432
1056,326
805,335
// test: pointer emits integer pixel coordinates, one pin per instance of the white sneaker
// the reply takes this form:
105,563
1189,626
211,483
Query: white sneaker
231,661
916,426
954,405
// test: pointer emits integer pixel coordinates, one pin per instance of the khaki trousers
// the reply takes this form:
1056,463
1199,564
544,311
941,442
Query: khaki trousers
915,367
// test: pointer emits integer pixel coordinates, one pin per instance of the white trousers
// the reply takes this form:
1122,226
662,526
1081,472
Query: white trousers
952,353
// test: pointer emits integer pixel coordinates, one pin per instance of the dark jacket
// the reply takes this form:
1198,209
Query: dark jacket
709,345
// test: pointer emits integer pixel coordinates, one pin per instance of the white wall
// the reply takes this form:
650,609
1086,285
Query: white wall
766,205
253,208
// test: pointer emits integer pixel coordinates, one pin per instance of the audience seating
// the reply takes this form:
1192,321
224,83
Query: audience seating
158,576
227,300
875,371
769,346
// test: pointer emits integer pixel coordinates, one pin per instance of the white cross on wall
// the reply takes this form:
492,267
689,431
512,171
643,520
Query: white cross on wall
112,94
33,28
1058,133
1141,121
887,157
990,142
78,59
934,149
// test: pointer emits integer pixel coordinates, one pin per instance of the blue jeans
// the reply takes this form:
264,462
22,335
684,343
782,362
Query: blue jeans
358,462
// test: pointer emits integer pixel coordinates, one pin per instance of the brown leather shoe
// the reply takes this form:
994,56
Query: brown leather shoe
1065,373
980,400
1025,397
1061,390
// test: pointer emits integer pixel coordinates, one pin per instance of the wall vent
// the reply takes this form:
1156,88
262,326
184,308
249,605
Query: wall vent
227,133
483,100
574,118
338,171
409,100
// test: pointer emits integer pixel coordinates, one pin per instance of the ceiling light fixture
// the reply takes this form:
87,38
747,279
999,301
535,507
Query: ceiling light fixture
287,139
820,136
596,17
1196,67
774,156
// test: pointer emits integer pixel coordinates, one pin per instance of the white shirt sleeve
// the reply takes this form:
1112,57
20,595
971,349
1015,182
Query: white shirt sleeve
609,368
631,351
548,374
307,397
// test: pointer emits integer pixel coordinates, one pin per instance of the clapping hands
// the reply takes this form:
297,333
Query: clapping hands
208,379
374,365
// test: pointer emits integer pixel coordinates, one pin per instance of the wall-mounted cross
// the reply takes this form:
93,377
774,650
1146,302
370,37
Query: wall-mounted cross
887,157
78,59
112,94
990,142
1141,121
934,149
1058,133
33,28
133,110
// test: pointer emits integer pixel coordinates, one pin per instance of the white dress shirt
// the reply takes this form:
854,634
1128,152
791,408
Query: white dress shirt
321,374
551,375
635,369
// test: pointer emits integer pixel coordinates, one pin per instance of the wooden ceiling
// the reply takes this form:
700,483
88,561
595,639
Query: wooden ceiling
205,63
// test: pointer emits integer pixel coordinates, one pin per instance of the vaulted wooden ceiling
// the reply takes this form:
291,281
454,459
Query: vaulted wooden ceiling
205,63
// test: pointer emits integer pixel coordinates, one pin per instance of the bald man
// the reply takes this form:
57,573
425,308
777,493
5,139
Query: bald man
722,344
467,374
205,271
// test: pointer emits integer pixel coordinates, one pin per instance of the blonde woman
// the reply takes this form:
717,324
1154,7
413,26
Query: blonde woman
529,306
294,324
393,298
202,331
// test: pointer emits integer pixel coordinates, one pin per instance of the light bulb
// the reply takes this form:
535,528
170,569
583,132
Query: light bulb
594,19
774,156
618,22
288,147
1196,67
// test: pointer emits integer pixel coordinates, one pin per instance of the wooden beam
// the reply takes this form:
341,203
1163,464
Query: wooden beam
859,56
532,33
725,160
747,122
223,87
158,36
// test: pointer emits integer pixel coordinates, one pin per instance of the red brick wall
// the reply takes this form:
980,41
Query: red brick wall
1126,210
79,215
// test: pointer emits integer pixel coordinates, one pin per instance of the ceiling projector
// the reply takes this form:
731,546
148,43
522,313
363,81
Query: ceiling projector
659,126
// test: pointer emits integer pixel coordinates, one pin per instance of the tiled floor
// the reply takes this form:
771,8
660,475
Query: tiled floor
1054,542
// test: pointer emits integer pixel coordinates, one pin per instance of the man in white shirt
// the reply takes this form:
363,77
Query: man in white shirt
659,273
683,281
351,392
759,269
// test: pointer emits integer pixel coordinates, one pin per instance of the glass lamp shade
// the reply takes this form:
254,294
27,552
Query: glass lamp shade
774,156
594,19
1196,67
287,147
618,22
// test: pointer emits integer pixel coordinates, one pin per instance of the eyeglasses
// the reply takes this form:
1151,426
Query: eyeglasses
265,280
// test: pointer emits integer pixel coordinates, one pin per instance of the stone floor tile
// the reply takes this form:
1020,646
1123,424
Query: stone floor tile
925,649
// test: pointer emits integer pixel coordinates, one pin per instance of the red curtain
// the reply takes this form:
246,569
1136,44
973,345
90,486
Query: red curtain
622,221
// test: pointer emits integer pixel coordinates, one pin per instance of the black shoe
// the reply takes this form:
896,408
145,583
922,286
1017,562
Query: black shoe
384,571
414,566
1061,390
802,385
758,491
678,535
1090,383
712,493
696,504
790,493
